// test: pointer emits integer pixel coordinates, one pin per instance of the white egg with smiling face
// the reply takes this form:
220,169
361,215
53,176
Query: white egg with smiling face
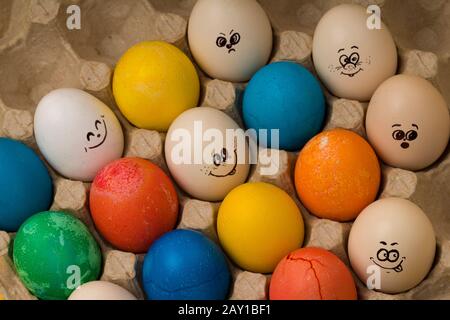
77,133
351,59
230,39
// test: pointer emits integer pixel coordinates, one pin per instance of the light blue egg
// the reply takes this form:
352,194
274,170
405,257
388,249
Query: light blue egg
185,265
25,184
284,96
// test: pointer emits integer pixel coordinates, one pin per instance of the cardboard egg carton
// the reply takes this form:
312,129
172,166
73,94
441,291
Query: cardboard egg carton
39,54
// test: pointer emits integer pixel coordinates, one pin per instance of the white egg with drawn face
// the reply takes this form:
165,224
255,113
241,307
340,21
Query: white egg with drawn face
206,154
351,59
391,245
230,39
77,133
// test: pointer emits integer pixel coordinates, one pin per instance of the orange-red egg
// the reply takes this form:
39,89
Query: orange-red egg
132,203
337,175
312,274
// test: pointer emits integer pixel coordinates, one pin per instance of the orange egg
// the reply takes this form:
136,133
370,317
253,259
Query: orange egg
132,203
337,175
312,274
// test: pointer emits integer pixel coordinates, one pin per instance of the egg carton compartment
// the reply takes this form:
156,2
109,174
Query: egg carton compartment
38,54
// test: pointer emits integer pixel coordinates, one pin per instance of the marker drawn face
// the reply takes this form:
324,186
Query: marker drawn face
97,137
229,42
224,164
350,63
388,257
407,137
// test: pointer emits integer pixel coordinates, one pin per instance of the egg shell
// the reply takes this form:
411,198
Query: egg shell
337,175
312,274
185,265
25,187
284,96
132,203
258,224
101,290
351,59
408,239
204,180
230,39
408,122
77,133
153,83
52,250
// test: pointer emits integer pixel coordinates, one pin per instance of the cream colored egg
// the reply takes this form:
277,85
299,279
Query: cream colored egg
230,39
101,290
77,133
392,245
351,56
205,154
408,122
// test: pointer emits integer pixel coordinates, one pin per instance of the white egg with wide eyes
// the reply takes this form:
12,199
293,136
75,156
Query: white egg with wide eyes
353,52
408,122
391,246
77,133
230,39
207,153
101,290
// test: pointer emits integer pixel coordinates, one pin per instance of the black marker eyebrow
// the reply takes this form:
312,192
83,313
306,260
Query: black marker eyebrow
415,125
222,34
232,30
396,125
339,51
382,242
394,243
354,47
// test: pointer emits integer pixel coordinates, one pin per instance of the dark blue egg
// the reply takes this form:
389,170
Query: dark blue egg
25,184
185,265
287,97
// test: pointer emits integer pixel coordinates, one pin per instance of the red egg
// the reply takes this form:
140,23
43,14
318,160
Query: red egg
312,274
132,203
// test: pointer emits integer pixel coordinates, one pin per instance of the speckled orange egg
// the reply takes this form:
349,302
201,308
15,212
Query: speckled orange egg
337,175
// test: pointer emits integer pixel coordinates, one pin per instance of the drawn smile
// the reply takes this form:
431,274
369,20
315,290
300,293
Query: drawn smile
351,75
90,134
231,172
397,268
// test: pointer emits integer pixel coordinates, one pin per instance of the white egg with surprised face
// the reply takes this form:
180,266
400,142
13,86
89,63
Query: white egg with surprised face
230,39
353,53
77,133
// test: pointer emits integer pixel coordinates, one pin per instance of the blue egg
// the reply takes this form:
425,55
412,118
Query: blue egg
25,184
284,96
185,265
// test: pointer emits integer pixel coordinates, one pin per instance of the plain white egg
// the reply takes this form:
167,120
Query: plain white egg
77,133
351,59
205,167
391,245
408,122
101,290
230,39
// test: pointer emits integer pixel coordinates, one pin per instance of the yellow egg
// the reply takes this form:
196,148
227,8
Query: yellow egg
153,83
258,224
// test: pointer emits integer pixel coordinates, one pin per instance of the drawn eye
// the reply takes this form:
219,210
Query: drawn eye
382,254
224,154
411,135
89,136
217,159
343,60
221,42
398,135
393,255
97,123
235,38
354,58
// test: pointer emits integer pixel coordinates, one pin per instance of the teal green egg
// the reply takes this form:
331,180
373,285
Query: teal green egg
53,253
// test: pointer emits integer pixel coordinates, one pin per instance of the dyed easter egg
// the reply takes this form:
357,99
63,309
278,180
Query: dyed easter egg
153,83
132,203
337,175
54,253
258,224
284,96
312,274
77,133
185,265
25,185
101,290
